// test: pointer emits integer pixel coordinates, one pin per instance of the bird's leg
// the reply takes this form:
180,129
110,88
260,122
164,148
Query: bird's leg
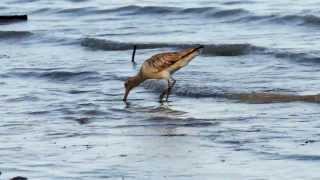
166,91
170,86
162,95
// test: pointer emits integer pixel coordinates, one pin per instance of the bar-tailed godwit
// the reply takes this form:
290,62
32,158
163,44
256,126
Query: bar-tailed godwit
161,66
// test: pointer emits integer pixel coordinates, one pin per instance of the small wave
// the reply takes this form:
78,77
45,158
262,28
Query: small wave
297,157
14,34
143,10
138,10
247,97
198,10
78,11
40,10
77,1
58,75
237,2
229,12
165,10
23,1
66,75
301,19
157,10
300,57
23,98
253,97
209,50
304,20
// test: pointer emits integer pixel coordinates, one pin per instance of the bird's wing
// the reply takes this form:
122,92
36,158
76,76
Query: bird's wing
162,61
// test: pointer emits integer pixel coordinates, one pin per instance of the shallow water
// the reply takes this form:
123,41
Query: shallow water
62,75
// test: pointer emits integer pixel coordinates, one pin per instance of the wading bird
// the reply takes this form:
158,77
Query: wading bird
161,66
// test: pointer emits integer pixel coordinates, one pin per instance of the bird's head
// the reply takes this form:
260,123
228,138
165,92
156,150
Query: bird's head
131,83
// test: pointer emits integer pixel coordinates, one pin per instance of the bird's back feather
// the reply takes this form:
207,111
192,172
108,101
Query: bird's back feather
164,61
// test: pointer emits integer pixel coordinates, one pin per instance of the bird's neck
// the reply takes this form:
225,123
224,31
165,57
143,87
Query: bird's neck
137,79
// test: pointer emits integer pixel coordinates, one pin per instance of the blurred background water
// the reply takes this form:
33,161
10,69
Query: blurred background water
62,74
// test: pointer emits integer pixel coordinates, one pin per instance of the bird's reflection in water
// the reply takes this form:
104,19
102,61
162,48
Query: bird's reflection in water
162,109
161,120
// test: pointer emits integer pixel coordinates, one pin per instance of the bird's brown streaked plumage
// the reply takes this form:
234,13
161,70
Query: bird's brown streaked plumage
161,66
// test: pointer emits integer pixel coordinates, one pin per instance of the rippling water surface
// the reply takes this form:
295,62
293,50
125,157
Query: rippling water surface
246,108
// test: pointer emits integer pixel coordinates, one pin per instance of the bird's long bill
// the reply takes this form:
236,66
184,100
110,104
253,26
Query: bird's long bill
126,95
191,51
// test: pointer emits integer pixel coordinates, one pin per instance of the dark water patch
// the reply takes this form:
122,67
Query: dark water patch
14,34
263,98
78,92
38,112
230,49
62,135
79,120
297,157
83,120
309,141
164,125
235,142
93,112
198,10
209,49
4,56
149,10
100,44
65,134
172,135
301,19
67,75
